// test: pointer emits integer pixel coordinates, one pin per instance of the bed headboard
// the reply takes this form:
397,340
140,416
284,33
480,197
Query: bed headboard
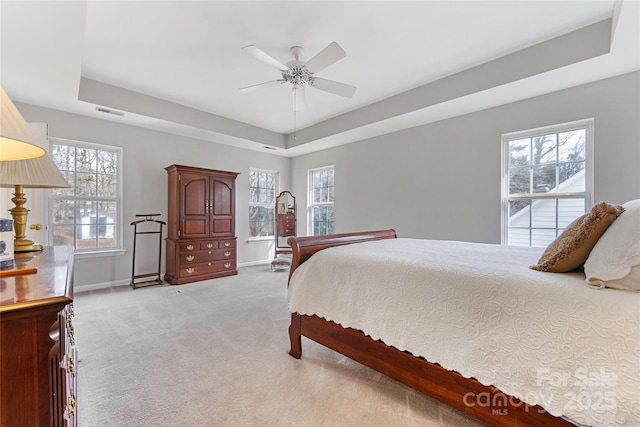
304,247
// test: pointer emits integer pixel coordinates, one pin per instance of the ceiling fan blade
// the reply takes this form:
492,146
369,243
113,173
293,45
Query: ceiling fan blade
260,85
299,98
264,57
325,57
333,87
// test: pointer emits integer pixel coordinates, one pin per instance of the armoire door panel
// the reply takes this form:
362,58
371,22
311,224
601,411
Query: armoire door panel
222,226
194,228
195,187
195,194
222,193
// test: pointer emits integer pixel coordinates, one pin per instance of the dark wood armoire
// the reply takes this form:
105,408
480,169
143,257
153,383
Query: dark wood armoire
201,240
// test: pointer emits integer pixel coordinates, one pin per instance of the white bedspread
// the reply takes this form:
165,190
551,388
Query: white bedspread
478,309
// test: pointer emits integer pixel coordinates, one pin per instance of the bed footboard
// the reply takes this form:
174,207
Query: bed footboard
304,247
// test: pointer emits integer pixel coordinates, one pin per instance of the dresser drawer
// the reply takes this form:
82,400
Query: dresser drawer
209,245
205,245
206,268
224,244
189,247
222,254
189,258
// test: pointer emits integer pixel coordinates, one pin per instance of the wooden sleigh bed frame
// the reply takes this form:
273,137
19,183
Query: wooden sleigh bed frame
443,385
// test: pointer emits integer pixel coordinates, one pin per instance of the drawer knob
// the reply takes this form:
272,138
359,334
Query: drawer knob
190,257
227,264
69,328
209,245
227,244
227,253
189,247
71,366
70,410
190,270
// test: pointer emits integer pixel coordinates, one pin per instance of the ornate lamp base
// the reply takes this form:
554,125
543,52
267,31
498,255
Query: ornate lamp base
26,246
19,214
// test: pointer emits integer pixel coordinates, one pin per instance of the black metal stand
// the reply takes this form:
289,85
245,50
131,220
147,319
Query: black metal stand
157,280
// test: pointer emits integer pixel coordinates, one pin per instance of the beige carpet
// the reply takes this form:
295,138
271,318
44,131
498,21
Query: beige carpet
215,353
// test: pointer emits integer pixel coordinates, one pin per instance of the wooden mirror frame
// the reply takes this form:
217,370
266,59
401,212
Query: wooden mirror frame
286,221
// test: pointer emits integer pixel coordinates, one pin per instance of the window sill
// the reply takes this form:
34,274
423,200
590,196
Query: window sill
96,254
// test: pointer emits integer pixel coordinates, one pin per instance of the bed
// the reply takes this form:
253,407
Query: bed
507,345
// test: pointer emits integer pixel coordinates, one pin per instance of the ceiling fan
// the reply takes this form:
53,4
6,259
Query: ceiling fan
300,73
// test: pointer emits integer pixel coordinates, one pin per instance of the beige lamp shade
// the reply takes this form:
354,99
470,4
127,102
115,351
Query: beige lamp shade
15,135
40,172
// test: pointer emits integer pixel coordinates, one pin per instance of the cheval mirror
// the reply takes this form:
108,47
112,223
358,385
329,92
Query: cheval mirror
285,228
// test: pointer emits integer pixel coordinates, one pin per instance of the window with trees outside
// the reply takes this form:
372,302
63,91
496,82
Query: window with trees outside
321,195
263,189
88,214
546,181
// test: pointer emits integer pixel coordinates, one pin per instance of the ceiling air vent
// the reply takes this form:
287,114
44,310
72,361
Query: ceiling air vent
106,110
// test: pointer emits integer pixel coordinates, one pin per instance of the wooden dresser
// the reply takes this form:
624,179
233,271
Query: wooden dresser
201,240
38,356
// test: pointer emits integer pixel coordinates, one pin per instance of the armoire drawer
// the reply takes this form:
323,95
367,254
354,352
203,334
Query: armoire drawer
207,268
225,244
189,258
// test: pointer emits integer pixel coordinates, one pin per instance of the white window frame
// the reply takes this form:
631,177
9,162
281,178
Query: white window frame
93,252
311,204
587,195
276,189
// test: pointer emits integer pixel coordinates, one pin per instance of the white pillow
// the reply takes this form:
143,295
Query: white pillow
614,261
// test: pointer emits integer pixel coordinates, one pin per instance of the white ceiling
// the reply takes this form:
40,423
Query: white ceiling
176,66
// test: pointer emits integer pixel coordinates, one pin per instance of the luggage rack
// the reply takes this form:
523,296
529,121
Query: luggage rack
156,275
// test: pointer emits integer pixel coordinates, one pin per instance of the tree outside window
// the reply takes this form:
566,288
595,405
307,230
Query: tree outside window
87,215
262,199
546,182
321,206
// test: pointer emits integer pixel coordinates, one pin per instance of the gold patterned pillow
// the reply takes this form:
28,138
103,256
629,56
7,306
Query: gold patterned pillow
571,248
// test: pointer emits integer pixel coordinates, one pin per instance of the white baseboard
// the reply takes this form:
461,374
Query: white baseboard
103,285
252,263
127,282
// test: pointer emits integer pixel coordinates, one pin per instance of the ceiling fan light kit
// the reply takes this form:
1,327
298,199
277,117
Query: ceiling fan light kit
299,73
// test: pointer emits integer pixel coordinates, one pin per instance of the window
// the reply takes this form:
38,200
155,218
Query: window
321,193
263,188
546,181
87,215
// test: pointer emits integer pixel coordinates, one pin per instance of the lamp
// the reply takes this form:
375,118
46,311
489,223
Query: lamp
15,135
40,172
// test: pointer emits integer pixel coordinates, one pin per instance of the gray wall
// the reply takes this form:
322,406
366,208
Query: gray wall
442,180
146,153
407,180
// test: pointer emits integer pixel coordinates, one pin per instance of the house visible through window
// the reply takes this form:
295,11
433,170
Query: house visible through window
321,194
87,215
263,189
546,181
